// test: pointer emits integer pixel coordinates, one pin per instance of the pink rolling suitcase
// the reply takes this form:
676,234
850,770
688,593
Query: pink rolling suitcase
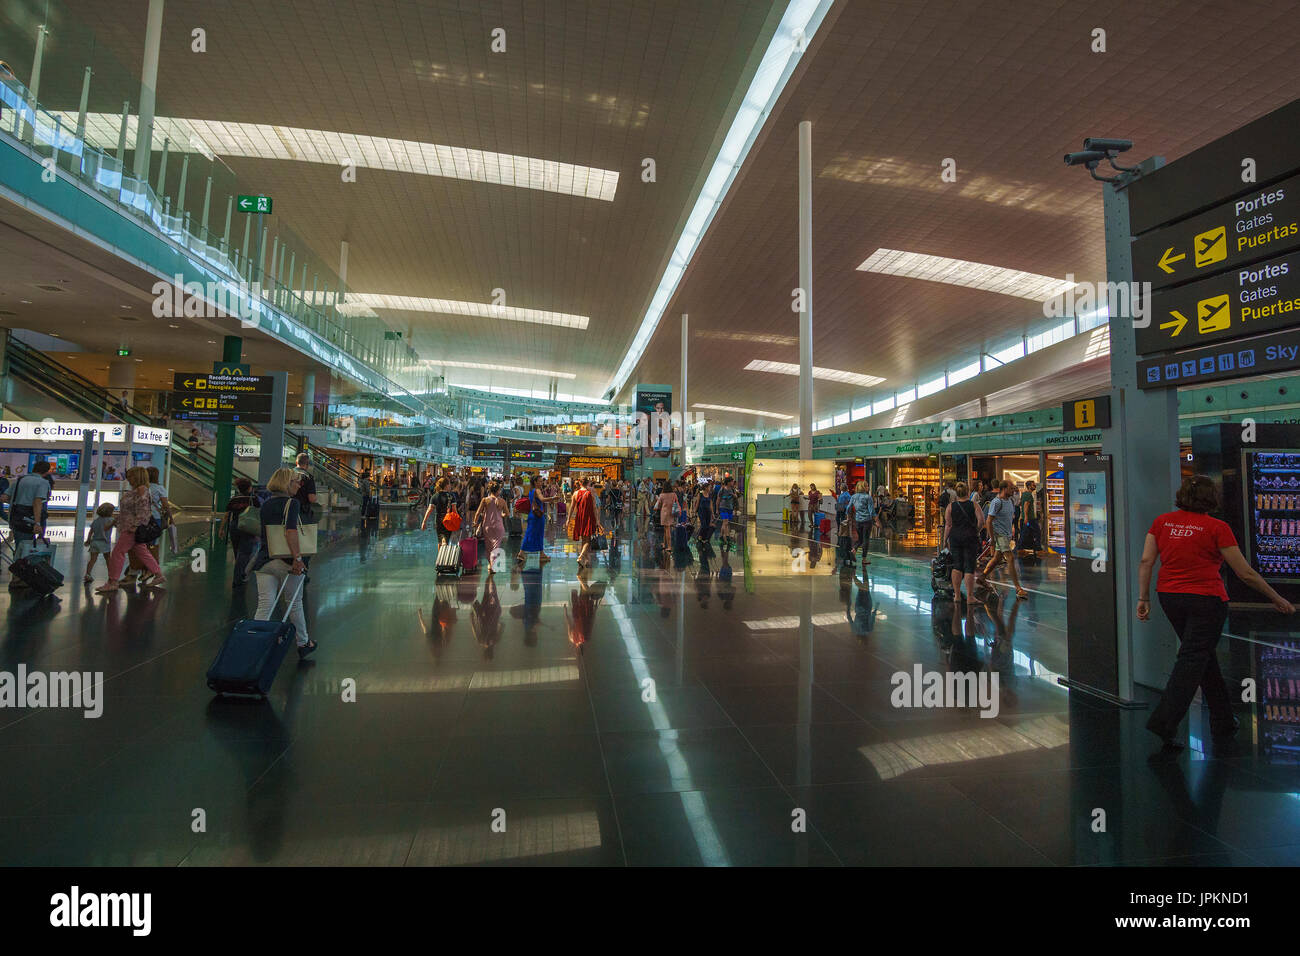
469,554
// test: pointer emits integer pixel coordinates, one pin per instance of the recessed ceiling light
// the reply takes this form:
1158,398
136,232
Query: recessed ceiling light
212,341
744,411
139,360
170,326
125,307
363,304
828,374
263,141
25,301
974,275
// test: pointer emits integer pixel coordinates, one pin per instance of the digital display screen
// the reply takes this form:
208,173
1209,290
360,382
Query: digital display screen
1273,507
1087,514
63,464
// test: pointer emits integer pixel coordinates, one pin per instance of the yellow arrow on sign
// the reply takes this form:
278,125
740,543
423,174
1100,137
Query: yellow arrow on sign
186,402
1180,320
189,383
1167,259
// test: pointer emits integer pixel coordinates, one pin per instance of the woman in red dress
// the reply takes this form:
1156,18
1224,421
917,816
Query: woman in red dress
586,525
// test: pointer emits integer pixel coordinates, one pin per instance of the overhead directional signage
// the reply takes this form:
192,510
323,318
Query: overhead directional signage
208,382
253,203
1248,300
1275,352
203,397
1259,224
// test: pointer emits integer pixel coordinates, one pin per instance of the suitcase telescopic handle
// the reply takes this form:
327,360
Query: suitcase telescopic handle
302,584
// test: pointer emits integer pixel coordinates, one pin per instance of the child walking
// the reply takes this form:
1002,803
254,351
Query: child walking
97,538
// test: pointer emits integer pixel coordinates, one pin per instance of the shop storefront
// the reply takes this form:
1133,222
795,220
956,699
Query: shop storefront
604,467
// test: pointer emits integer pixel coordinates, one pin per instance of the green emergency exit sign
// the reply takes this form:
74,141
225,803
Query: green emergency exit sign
254,203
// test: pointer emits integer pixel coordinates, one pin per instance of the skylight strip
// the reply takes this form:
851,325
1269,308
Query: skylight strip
787,46
364,304
513,369
974,275
262,141
743,411
827,374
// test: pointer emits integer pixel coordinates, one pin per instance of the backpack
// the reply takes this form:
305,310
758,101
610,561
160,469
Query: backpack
250,520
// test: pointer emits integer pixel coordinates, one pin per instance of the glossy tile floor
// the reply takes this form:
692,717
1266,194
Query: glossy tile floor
734,709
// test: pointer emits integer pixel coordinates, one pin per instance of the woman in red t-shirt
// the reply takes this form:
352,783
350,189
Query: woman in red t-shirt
1192,547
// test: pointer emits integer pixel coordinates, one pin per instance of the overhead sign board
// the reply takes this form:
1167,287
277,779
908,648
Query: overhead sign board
1254,226
234,384
1275,352
231,368
253,204
226,399
1085,414
67,433
147,435
1244,301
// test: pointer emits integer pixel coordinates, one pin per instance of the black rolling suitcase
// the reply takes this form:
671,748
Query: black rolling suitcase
251,656
36,570
516,528
941,574
844,550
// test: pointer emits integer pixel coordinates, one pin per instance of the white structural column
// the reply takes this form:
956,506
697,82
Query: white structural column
148,87
805,288
683,404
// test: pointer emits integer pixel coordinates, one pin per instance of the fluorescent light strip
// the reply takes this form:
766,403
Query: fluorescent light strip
513,369
364,304
744,411
793,35
263,141
974,275
828,374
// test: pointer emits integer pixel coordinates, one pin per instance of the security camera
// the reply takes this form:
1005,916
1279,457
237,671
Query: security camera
1087,156
1118,145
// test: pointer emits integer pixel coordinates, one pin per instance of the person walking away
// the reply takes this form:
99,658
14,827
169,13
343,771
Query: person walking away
282,510
998,524
135,516
586,521
1191,547
668,507
862,508
98,537
244,541
961,536
438,508
161,509
490,517
534,535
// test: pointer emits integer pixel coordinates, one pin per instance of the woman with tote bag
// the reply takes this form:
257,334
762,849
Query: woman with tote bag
283,546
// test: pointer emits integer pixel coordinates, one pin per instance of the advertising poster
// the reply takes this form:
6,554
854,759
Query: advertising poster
655,402
1087,513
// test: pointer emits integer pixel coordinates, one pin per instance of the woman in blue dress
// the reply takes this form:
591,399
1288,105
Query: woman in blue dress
537,502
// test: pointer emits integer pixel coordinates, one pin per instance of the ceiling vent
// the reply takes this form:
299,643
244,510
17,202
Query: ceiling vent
129,318
51,288
3,312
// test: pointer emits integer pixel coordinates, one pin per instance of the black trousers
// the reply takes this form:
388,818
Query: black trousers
1198,620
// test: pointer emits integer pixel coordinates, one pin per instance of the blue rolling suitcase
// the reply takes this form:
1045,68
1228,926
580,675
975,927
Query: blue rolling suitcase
682,537
251,656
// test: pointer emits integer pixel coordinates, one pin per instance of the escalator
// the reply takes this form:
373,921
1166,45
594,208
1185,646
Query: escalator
54,387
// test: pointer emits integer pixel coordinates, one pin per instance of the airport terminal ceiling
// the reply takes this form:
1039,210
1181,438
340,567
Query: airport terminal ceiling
893,90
